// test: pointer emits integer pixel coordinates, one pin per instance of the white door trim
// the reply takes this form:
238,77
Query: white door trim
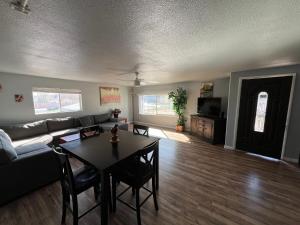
293,75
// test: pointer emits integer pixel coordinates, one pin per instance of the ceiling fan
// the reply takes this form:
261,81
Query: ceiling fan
138,69
137,81
20,5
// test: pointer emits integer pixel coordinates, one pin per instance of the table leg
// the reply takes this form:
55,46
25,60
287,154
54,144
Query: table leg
104,197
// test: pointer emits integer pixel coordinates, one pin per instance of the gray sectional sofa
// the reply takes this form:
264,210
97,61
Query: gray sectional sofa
35,164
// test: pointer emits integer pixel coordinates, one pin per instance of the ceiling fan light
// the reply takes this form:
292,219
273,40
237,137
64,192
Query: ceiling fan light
137,82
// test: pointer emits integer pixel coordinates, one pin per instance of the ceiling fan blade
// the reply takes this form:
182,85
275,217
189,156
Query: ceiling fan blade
151,82
152,71
121,74
117,69
125,80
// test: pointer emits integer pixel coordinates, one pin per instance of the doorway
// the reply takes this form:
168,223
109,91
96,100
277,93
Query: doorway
263,112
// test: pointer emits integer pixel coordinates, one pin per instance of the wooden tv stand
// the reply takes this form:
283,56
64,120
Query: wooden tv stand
209,129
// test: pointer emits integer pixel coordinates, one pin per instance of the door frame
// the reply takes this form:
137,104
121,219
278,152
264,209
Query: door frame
287,122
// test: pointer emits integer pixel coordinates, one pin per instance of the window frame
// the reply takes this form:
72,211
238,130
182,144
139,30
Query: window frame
256,118
59,91
156,114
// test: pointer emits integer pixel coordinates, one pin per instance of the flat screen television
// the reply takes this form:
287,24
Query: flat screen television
210,107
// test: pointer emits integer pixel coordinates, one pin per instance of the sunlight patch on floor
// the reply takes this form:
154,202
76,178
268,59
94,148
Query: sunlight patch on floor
157,133
168,134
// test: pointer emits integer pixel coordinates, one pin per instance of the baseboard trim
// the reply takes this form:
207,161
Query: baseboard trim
154,125
292,160
229,147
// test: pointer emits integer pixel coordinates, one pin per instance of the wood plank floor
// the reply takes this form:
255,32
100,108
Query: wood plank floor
199,184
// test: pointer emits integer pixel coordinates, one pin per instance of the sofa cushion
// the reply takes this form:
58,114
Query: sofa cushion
36,152
31,148
26,130
4,159
101,118
61,133
8,152
32,144
60,123
86,121
29,172
77,122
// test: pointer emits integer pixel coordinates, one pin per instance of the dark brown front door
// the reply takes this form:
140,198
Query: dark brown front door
262,115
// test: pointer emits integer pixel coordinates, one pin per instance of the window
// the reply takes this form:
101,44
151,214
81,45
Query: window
155,105
48,101
261,109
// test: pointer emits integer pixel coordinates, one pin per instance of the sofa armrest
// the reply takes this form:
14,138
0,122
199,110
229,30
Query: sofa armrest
29,172
4,160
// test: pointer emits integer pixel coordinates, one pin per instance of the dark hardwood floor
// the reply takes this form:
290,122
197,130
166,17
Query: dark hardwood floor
199,184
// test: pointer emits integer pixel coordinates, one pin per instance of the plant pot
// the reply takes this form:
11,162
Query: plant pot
179,128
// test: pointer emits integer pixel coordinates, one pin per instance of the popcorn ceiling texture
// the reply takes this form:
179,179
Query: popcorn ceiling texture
176,41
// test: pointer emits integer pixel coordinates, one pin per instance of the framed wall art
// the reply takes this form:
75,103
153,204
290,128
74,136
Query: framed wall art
19,98
109,95
207,90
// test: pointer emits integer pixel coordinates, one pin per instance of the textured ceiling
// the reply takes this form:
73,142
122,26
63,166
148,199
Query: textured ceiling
168,41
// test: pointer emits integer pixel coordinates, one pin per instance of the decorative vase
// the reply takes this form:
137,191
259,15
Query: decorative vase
114,133
116,112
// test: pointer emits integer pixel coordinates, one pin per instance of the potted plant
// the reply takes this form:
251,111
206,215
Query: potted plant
179,98
116,112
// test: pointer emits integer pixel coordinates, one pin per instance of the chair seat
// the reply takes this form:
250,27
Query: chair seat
133,173
85,177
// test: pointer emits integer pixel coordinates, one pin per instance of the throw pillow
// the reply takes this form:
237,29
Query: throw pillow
101,118
6,145
86,121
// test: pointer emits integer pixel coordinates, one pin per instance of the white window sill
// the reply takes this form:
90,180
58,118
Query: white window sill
56,113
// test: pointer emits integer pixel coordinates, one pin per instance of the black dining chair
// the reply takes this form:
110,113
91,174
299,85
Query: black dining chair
140,130
144,131
74,183
90,131
136,174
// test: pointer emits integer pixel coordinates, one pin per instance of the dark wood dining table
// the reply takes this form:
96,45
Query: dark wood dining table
103,155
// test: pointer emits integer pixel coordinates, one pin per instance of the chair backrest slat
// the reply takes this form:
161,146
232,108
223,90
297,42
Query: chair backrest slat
152,150
140,130
66,174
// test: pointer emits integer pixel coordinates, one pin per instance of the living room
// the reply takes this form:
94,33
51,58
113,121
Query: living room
149,112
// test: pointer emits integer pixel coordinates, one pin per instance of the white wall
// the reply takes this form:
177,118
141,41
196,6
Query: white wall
12,84
221,87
